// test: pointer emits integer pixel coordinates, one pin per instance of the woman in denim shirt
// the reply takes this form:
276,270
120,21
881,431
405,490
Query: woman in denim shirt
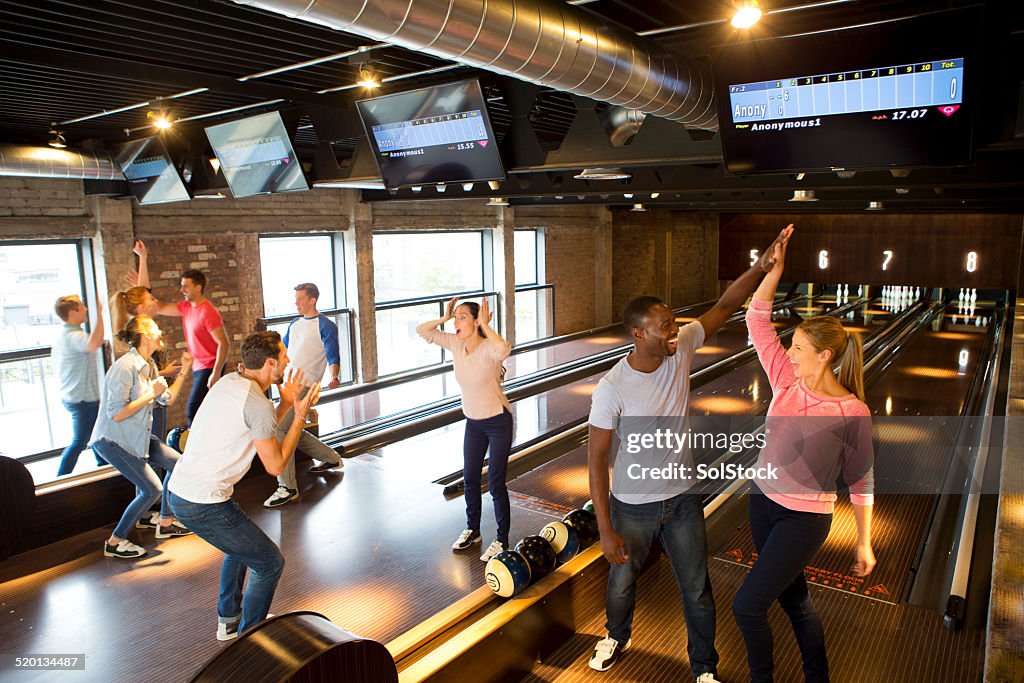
122,432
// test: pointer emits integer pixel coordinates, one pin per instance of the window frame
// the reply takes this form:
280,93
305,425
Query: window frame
338,284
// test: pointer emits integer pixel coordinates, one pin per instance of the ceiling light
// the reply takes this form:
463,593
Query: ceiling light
875,206
902,190
639,208
800,176
160,119
846,175
628,195
215,163
416,188
467,187
746,15
655,195
498,201
440,187
899,172
368,78
603,174
494,185
803,196
355,184
57,137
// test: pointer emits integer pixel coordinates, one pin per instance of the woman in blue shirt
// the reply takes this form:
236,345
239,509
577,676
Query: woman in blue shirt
122,433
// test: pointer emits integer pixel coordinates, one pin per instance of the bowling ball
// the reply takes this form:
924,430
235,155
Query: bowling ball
588,506
177,438
539,555
507,573
563,539
586,526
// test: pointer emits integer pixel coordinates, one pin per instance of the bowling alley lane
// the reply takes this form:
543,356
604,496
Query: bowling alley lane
872,634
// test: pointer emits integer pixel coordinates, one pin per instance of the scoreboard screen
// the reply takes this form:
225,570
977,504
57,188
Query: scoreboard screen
894,95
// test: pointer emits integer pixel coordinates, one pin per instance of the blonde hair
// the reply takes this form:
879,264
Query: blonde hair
124,305
827,333
136,327
66,304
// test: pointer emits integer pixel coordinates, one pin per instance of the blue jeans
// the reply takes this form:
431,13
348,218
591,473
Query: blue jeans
679,524
245,546
308,444
200,378
495,432
83,419
786,540
137,471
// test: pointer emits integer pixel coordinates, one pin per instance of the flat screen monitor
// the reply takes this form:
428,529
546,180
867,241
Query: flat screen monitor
893,95
440,134
256,156
152,176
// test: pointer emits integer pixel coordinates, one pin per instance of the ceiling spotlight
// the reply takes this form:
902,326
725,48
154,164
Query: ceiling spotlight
902,190
875,206
416,188
215,163
628,195
57,137
747,14
803,196
655,195
899,172
368,78
467,187
494,185
498,201
160,119
603,174
846,175
800,176
639,208
441,187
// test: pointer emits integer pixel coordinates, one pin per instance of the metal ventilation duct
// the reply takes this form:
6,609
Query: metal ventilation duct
47,162
546,42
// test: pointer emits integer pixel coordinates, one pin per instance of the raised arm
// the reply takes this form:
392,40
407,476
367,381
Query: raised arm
740,289
275,454
483,321
429,330
759,323
143,253
95,339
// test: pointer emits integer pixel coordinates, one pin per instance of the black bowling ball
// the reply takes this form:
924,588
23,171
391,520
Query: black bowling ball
539,554
585,524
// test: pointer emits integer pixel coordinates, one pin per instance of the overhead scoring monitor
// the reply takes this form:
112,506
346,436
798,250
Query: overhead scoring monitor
151,174
256,155
895,95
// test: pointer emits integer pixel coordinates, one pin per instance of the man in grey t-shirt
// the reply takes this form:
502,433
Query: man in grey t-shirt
236,422
653,381
74,353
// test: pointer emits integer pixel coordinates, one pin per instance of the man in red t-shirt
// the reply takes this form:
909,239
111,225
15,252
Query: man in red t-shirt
204,332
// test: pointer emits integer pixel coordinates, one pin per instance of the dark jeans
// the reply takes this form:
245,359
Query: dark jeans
786,540
137,471
83,419
245,547
679,524
199,391
495,432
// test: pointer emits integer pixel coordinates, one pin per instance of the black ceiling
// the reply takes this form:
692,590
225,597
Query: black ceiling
69,59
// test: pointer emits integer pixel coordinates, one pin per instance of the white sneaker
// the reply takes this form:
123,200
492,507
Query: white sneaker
606,653
707,677
466,539
230,631
124,549
282,495
493,549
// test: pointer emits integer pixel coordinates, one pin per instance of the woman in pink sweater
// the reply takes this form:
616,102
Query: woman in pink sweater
818,426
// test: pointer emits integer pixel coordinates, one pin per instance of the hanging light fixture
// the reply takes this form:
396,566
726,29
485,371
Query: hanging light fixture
875,206
368,77
638,208
498,201
803,196
57,139
160,119
747,14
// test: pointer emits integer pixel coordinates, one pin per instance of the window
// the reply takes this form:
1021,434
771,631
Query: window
32,276
415,265
415,274
288,260
535,303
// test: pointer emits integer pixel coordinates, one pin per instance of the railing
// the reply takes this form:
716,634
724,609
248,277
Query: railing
535,313
32,418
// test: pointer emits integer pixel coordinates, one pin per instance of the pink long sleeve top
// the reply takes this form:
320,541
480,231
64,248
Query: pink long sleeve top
810,438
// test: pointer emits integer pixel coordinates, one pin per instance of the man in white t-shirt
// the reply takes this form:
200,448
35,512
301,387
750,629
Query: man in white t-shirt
236,422
643,389
312,341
